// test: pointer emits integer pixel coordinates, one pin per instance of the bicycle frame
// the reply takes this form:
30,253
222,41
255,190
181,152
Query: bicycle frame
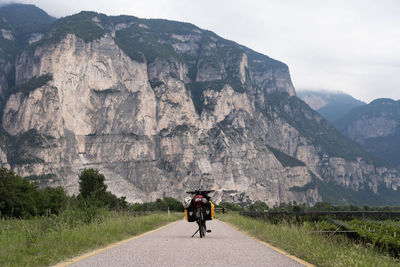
201,222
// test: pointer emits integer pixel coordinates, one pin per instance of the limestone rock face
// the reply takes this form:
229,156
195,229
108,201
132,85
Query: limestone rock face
7,34
315,101
157,126
35,37
371,127
3,160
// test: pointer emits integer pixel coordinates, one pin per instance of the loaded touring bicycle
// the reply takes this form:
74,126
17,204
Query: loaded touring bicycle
199,209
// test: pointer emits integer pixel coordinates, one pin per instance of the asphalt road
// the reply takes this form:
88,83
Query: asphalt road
174,246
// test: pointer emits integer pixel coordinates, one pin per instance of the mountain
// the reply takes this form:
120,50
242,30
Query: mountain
160,107
20,25
374,126
377,127
331,105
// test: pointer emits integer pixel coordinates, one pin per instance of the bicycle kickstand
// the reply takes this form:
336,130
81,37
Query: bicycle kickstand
195,232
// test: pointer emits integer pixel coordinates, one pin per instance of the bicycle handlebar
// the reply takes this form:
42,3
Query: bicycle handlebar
200,192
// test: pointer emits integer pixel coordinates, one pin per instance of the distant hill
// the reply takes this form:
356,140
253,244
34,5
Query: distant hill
377,127
331,105
22,22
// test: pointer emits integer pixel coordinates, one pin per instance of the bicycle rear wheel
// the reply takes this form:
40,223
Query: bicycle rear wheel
201,223
201,230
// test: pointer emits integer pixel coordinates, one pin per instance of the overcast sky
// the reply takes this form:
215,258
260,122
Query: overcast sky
340,45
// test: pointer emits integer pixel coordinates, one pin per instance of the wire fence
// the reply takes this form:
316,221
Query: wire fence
275,216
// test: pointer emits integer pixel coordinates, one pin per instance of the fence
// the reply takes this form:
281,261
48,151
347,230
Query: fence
318,215
222,210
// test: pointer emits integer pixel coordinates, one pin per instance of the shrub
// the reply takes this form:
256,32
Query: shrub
159,205
21,198
230,206
259,206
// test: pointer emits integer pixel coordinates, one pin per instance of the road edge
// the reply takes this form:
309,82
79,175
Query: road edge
94,252
281,251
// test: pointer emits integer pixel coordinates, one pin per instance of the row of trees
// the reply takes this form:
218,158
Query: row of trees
21,198
165,204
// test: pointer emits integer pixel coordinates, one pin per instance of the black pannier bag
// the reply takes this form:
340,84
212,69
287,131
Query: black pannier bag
190,214
207,211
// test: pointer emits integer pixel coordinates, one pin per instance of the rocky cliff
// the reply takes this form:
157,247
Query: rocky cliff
377,127
160,107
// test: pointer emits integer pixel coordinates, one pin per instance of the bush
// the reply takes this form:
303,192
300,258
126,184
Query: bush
230,206
21,198
259,206
174,204
159,205
51,200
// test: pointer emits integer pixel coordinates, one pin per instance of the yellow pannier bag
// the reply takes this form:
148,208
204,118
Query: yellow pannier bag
186,215
212,210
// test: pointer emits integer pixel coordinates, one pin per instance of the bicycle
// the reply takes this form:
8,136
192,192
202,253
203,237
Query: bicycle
199,210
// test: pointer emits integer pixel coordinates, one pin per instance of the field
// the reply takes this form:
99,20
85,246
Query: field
383,235
47,240
323,242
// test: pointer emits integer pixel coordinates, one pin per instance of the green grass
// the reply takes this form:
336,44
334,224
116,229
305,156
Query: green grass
46,241
313,248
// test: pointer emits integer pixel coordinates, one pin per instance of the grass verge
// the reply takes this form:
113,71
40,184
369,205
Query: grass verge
313,248
45,241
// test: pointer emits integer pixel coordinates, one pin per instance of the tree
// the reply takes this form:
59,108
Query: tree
17,195
173,204
92,191
21,198
230,206
51,200
91,185
259,206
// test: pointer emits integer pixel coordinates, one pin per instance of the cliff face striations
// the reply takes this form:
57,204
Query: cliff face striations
160,107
